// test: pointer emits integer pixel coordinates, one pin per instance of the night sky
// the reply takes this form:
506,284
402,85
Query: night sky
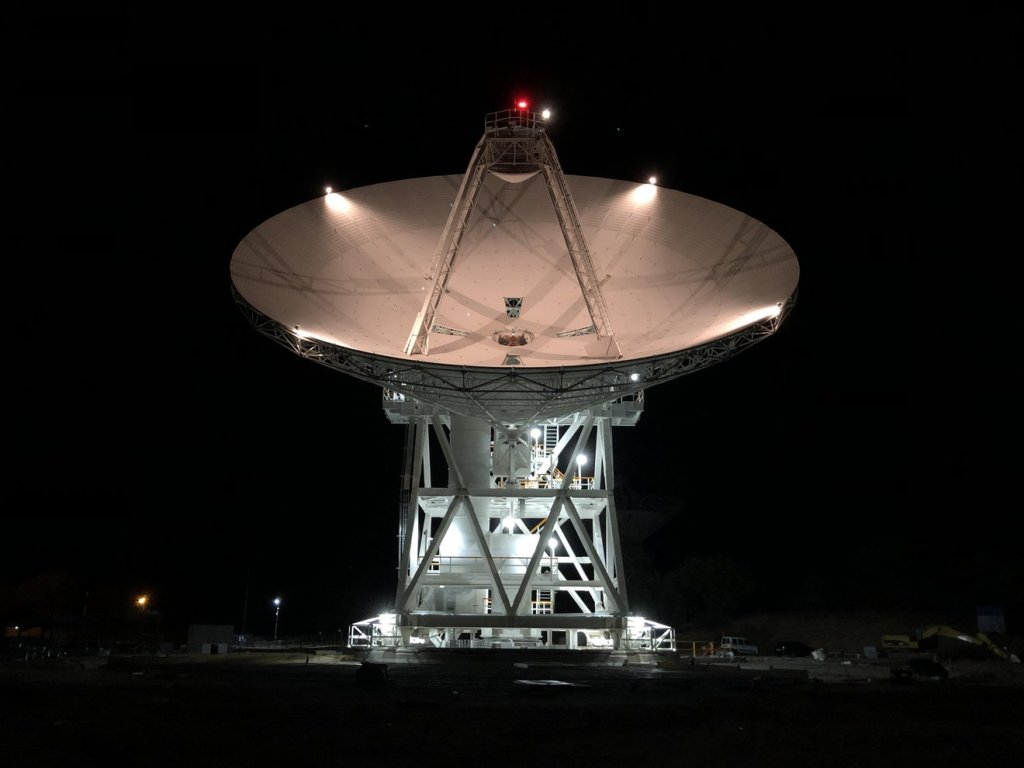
158,443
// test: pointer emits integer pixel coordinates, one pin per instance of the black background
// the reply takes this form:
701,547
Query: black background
157,442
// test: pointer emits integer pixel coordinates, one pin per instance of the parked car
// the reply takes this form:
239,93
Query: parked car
793,648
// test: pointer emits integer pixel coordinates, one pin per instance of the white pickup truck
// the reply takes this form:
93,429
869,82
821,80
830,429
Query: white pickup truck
737,646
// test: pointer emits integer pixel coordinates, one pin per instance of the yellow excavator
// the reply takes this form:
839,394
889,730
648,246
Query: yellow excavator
929,637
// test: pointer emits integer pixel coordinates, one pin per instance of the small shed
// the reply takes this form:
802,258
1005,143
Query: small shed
209,638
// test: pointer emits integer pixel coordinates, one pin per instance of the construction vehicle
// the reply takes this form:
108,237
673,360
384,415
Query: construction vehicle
931,638
737,646
898,643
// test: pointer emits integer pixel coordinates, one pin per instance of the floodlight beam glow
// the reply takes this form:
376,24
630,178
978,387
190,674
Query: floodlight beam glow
645,193
756,315
337,202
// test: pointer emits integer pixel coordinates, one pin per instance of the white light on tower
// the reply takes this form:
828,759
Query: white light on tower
634,377
546,114
535,433
580,461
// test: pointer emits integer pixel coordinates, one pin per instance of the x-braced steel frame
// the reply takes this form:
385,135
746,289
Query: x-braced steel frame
508,564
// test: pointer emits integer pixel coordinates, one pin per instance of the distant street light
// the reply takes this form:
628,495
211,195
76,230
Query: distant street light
141,602
277,615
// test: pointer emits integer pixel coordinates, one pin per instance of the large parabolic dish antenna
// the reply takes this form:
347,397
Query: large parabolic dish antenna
523,327
513,315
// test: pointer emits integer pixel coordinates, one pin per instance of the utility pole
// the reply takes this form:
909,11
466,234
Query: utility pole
245,601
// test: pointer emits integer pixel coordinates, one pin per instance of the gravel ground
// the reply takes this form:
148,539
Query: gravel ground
281,710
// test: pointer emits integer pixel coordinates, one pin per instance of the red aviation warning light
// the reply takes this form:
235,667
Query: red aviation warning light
522,103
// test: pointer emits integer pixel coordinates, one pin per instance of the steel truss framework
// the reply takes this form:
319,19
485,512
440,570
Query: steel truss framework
517,395
529,544
595,569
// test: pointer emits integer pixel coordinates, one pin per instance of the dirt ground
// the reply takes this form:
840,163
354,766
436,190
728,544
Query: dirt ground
842,633
282,710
